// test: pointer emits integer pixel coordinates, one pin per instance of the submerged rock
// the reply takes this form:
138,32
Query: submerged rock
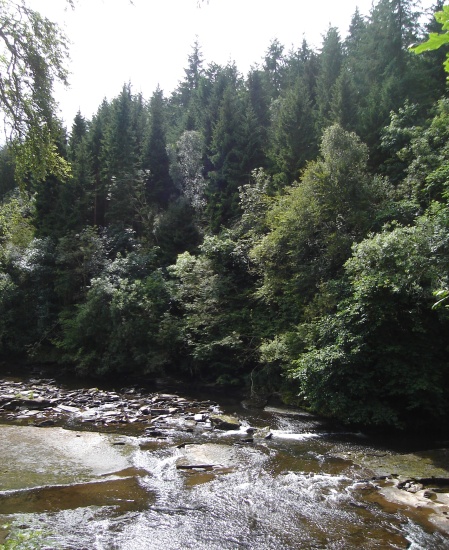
207,456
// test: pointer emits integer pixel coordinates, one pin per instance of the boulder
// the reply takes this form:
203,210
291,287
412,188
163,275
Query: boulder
224,422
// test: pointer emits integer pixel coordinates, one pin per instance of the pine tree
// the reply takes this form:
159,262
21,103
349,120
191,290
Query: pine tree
331,59
159,185
302,63
98,163
343,109
226,159
258,99
120,138
274,67
379,62
293,139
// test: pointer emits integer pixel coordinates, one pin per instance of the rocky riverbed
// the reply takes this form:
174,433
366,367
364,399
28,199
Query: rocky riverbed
42,402
204,439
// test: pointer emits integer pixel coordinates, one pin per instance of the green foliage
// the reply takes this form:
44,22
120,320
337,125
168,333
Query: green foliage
33,57
331,61
227,147
420,152
207,328
436,40
381,357
293,140
27,303
118,326
25,540
15,222
159,186
313,225
236,230
79,258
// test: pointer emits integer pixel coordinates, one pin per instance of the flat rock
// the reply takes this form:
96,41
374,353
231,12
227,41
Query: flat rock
224,422
33,456
207,456
67,408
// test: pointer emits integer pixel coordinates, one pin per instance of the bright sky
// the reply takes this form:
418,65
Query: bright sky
147,42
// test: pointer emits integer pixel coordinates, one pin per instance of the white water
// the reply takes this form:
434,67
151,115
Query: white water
289,492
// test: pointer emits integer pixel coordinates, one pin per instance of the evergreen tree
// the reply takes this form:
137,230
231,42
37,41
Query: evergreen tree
343,108
99,167
184,106
303,63
258,101
331,59
274,67
226,158
379,62
159,185
293,139
120,138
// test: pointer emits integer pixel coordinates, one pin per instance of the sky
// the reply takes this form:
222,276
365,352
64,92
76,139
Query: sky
147,42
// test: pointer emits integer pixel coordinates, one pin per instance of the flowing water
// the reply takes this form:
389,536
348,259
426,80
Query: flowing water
301,489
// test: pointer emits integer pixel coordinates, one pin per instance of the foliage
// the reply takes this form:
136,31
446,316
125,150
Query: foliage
117,327
436,40
33,57
313,225
27,300
286,230
15,221
380,358
187,168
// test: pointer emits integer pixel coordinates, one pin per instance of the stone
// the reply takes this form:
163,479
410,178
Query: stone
225,422
67,408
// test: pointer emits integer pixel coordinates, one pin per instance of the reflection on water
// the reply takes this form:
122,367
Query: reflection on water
292,491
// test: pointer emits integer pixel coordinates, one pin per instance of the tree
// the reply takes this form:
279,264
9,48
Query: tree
331,60
313,225
187,167
436,40
344,101
227,155
160,187
33,56
293,140
118,327
120,138
274,66
381,67
380,356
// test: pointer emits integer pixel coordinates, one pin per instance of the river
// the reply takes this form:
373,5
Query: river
306,486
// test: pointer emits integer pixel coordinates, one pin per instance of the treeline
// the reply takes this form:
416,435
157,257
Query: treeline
285,231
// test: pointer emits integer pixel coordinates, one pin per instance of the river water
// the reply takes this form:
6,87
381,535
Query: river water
304,488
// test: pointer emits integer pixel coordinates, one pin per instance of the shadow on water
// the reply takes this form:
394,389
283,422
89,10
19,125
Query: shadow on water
124,495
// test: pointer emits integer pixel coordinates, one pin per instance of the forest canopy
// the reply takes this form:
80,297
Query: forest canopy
282,231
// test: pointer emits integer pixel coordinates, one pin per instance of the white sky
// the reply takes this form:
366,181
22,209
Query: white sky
147,42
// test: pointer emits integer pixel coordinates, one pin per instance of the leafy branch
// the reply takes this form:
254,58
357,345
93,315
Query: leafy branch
436,40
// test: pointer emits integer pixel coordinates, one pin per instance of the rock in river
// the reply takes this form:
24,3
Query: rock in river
224,422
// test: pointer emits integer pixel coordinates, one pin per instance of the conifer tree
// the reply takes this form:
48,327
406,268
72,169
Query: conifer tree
98,163
293,140
226,158
331,60
343,109
159,185
274,67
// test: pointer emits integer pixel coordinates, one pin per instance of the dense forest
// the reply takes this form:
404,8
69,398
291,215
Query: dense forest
285,231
